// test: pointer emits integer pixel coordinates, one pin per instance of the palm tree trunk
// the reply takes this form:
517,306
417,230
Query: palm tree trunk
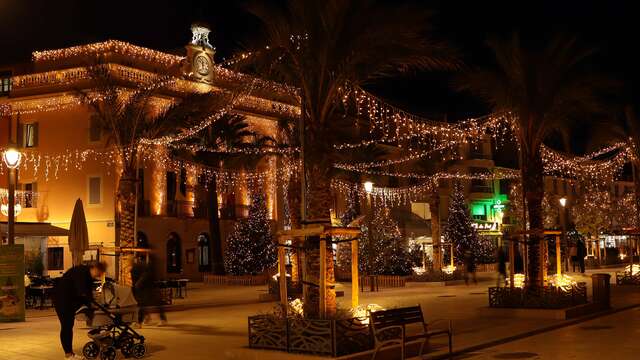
293,199
318,205
214,227
533,187
636,183
126,215
434,209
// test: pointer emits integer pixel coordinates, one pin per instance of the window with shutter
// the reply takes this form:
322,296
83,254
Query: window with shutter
28,135
95,190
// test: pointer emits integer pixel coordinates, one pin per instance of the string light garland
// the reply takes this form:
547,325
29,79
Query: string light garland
263,150
109,46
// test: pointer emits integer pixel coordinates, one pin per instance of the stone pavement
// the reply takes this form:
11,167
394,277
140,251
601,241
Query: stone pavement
213,323
608,337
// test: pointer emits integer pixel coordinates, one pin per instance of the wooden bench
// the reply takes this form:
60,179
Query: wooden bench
389,328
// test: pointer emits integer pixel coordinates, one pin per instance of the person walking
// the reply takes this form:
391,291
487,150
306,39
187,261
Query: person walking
581,252
146,293
573,252
71,291
502,267
469,267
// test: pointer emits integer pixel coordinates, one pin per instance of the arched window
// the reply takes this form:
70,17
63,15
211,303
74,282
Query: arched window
174,254
204,253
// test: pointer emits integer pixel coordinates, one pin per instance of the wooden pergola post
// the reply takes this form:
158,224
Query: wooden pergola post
512,259
543,261
558,257
323,276
282,266
354,274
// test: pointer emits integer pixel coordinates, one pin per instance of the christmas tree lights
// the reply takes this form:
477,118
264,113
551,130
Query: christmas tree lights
250,247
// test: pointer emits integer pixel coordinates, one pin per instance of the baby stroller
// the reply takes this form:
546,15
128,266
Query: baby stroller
115,310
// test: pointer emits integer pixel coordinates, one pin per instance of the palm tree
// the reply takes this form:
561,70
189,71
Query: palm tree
319,46
542,88
128,114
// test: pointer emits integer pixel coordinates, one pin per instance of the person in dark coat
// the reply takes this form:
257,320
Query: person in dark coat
71,291
146,293
502,266
469,267
581,253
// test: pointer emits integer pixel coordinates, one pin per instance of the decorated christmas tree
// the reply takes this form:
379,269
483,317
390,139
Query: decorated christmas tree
459,231
250,247
383,251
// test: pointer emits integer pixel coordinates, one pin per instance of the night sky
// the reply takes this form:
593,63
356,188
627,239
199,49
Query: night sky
610,26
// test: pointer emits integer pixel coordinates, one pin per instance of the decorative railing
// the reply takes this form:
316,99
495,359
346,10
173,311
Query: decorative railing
374,282
310,336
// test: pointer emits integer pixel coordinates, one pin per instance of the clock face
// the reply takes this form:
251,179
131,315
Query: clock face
202,65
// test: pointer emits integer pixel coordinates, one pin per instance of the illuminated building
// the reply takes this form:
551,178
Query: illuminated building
39,106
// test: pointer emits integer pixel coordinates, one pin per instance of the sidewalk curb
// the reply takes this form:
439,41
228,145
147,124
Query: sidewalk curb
530,333
175,307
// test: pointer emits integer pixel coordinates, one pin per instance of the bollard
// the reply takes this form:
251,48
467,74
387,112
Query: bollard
601,290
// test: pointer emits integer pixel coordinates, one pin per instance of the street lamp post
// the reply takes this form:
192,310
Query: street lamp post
12,159
368,188
563,224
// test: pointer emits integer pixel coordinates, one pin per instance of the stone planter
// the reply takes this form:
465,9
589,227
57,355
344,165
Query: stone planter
627,279
544,298
309,336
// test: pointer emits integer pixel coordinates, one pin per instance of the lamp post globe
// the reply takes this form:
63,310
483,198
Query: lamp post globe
368,187
563,201
12,158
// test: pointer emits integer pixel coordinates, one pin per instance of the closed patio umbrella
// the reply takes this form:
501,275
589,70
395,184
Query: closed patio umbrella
78,234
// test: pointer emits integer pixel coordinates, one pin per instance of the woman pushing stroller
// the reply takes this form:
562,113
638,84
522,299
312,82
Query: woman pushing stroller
72,291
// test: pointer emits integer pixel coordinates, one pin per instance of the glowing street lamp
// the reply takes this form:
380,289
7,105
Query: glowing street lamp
563,201
563,221
11,158
368,187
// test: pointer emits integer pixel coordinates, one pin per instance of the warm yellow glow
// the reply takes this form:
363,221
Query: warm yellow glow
563,201
12,158
296,307
17,209
368,186
563,282
633,270
363,311
449,269
419,270
518,280
157,190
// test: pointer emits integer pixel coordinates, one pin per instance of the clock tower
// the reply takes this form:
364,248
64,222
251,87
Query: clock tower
199,64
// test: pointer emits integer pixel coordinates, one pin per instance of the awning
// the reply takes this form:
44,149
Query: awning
34,229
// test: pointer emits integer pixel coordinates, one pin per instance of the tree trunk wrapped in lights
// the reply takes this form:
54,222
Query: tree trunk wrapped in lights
533,185
319,201
434,209
214,226
126,215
